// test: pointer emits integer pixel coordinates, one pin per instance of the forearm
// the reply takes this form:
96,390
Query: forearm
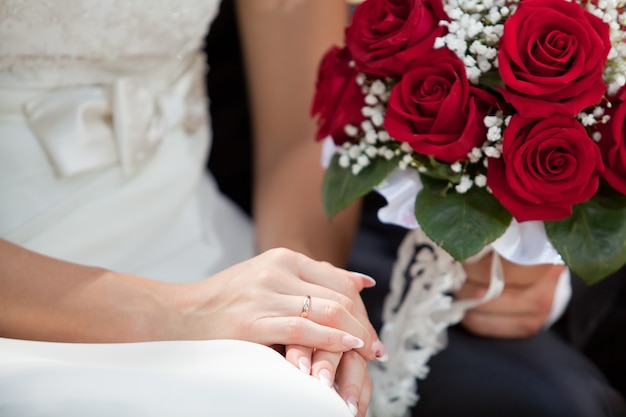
282,67
42,298
289,210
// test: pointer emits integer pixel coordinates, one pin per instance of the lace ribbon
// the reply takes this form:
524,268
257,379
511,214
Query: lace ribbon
416,314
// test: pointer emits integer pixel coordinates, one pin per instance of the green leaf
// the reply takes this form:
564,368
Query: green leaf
436,169
341,187
492,79
592,241
462,224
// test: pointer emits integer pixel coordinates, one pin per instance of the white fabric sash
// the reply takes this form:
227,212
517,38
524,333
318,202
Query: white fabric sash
86,127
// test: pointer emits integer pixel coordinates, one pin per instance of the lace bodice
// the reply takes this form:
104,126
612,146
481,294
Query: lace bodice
35,34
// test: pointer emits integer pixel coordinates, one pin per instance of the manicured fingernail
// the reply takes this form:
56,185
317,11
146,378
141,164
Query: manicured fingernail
305,365
325,377
353,405
352,342
379,351
370,282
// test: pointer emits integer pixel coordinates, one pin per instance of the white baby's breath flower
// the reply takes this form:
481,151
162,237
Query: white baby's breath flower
480,180
484,65
469,61
363,160
405,162
371,99
587,119
378,88
344,161
492,152
351,130
474,155
383,136
439,43
465,184
473,74
491,121
367,111
371,137
494,15
494,134
405,147
371,151
354,151
456,167
598,112
377,119
356,169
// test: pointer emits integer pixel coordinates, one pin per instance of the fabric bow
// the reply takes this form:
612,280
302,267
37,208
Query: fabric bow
85,128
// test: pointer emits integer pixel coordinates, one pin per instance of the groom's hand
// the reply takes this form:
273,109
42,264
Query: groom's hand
522,307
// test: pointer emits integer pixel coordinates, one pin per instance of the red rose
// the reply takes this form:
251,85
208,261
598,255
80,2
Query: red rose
551,57
547,166
613,143
435,109
385,34
338,98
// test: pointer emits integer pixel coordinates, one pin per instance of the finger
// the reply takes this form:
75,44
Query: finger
514,274
535,300
524,275
479,272
353,384
300,357
502,326
334,314
329,276
341,282
529,299
471,290
286,283
365,280
373,348
312,271
301,331
324,366
326,281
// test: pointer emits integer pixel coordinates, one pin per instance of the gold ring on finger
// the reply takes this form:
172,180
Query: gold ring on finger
305,307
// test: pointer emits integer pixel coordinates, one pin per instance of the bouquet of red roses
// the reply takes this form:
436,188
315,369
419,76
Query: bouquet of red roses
506,111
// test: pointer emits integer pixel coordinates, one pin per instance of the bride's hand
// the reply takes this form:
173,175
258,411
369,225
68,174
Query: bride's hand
523,306
261,300
347,372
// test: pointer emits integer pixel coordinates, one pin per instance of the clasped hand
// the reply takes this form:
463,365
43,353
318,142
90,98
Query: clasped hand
261,300
524,304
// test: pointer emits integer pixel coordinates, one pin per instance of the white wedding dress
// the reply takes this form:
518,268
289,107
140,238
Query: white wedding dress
103,142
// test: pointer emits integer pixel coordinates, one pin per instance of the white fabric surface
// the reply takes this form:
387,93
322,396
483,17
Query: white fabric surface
224,378
103,143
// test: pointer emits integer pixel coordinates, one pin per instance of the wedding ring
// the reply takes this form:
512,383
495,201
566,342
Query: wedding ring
305,307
